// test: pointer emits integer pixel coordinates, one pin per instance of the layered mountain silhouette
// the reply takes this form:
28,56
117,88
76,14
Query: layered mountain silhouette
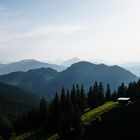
87,73
69,62
13,99
133,67
26,65
34,80
46,81
2,65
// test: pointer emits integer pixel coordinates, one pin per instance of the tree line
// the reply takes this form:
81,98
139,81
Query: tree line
62,114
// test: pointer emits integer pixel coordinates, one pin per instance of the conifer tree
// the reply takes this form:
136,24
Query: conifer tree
95,92
78,98
122,90
101,94
114,96
108,93
83,98
69,105
73,96
43,106
63,100
56,104
89,98
130,91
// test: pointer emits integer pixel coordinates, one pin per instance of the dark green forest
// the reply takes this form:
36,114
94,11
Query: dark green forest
14,100
62,115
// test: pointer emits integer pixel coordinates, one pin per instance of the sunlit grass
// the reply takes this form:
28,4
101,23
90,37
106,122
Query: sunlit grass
25,136
86,117
54,137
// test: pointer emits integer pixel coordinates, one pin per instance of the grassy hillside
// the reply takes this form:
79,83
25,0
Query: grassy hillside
88,116
35,136
54,137
121,123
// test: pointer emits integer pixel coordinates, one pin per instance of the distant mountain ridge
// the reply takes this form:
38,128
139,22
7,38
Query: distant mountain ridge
33,80
133,67
69,62
2,65
87,73
46,81
26,65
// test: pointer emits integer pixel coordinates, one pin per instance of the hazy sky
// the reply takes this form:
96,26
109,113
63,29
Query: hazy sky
45,30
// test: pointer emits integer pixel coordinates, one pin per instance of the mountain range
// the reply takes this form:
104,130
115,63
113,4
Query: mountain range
87,73
25,65
34,80
46,81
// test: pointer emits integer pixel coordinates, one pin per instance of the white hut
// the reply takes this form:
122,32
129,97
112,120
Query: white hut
123,100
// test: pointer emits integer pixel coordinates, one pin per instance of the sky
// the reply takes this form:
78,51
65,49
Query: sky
54,30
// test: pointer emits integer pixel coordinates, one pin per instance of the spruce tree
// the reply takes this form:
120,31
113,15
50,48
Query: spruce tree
63,100
108,93
101,94
56,104
82,98
69,105
89,98
43,106
95,92
114,96
73,96
122,90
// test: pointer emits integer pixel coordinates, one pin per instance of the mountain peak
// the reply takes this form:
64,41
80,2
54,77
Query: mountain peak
27,64
23,61
86,63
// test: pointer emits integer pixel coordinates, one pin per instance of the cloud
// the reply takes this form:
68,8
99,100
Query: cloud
47,30
56,29
10,29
